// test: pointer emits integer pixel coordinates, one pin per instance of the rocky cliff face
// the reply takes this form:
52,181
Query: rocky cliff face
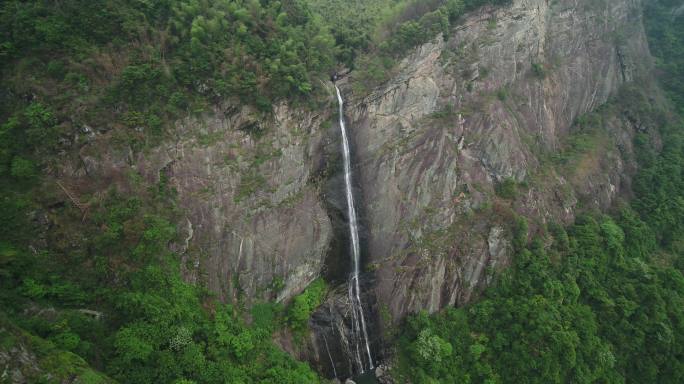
489,107
253,221
254,213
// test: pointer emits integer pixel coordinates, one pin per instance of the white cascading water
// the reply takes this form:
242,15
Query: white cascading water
358,320
332,363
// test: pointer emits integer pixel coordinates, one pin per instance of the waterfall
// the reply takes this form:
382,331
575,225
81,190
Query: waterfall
327,349
360,335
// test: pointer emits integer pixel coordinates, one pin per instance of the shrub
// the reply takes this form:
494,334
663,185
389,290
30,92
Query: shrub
520,233
431,348
538,70
265,315
507,189
305,303
66,340
22,168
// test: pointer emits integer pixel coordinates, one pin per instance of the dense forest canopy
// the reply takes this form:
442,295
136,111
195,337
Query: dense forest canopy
666,34
600,301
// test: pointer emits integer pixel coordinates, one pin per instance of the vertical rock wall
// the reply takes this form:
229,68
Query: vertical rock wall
253,223
489,105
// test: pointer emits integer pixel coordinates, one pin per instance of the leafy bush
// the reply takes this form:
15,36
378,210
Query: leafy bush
305,303
431,348
538,70
266,315
22,168
66,340
507,189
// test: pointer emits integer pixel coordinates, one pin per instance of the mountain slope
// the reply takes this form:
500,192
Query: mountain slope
177,170
494,107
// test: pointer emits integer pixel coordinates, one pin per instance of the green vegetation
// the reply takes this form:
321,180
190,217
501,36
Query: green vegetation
46,363
598,302
304,304
666,32
219,48
392,26
507,189
607,312
538,70
371,35
154,327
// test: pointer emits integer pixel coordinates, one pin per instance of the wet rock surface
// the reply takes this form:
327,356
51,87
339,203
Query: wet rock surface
332,338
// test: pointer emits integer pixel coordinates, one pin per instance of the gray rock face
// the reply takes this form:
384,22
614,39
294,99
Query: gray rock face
463,115
17,363
254,222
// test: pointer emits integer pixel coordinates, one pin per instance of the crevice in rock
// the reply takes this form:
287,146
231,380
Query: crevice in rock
331,323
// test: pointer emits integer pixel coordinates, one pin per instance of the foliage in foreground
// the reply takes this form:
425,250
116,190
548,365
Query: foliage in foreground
155,328
608,312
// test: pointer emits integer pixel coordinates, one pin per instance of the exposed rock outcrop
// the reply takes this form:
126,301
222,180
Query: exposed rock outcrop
257,219
26,358
490,105
254,223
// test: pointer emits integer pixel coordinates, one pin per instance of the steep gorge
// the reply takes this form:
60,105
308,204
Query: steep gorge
458,118
496,104
462,139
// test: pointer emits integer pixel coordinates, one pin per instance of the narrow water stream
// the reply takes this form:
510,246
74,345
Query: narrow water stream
361,348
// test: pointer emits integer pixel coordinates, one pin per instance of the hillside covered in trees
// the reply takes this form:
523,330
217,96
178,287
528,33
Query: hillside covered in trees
91,289
600,301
